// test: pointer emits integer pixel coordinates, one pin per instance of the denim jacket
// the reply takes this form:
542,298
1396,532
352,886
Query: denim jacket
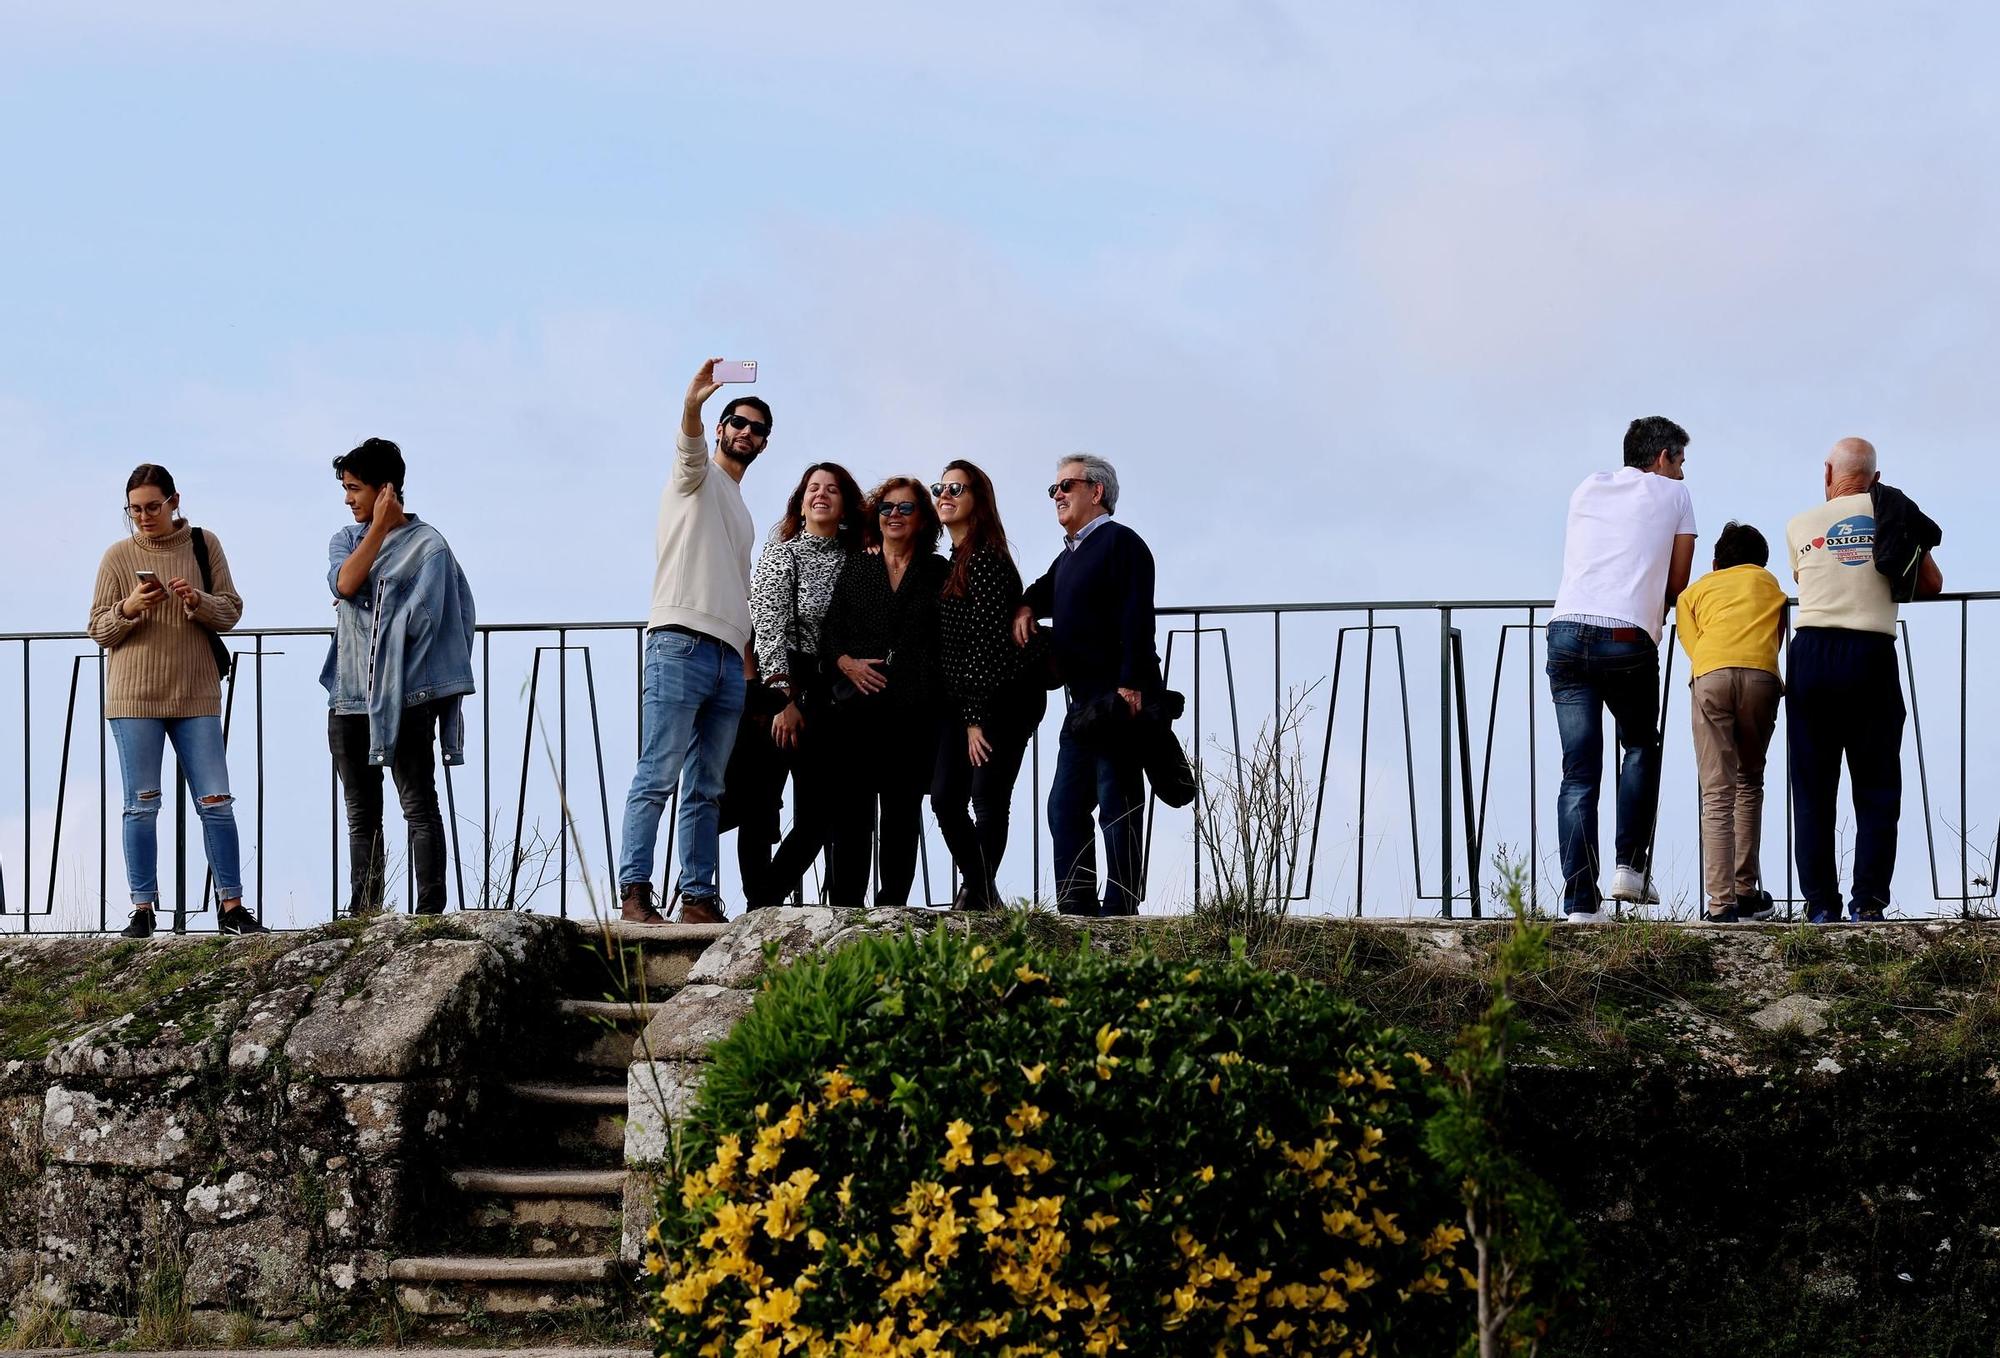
404,640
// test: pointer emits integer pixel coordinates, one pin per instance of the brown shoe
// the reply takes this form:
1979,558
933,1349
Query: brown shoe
702,910
636,905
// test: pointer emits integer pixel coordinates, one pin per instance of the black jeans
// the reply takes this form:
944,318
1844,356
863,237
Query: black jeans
978,838
814,768
1844,697
415,773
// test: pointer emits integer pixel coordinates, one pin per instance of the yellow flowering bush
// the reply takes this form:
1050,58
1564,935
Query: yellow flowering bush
940,1146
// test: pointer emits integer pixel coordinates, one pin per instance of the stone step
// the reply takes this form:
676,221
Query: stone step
660,935
543,1227
569,1095
632,1012
616,958
484,1288
542,1183
495,1268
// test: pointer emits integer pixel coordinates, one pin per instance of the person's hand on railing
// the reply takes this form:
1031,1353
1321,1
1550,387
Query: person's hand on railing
144,598
1024,625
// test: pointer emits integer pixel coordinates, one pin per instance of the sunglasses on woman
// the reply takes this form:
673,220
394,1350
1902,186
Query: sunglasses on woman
948,490
901,508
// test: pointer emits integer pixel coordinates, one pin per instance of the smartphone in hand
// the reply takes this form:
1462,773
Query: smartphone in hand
147,577
736,370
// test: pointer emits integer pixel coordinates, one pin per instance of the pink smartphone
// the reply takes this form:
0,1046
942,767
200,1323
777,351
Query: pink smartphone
736,370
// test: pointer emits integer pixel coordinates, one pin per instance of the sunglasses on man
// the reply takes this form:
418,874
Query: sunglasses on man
1064,486
757,427
899,508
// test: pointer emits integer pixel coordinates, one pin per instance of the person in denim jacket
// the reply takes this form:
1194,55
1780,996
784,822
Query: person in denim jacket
399,669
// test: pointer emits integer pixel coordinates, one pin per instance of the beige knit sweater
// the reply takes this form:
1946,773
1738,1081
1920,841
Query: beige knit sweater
161,664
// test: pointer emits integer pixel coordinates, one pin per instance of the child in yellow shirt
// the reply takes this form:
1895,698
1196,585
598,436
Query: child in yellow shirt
1730,623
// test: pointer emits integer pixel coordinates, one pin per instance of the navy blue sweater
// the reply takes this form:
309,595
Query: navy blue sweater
1099,600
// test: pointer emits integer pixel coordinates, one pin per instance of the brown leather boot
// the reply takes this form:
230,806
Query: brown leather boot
636,905
702,910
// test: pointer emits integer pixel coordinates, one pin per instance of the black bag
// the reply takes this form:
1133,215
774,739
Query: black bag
199,541
1904,535
1107,725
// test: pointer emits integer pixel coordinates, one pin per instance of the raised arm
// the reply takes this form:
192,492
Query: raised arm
388,516
691,448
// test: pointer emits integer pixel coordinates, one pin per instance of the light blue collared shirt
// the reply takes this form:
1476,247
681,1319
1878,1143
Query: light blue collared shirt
1070,540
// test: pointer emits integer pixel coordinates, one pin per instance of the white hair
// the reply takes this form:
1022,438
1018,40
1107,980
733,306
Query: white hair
1099,473
1852,457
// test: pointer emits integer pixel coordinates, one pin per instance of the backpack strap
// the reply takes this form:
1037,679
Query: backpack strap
199,541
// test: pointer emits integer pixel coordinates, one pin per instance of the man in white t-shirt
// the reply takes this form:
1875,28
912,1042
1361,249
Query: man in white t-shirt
1843,695
1627,551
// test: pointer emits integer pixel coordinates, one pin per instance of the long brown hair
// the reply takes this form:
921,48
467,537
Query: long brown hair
857,522
983,528
928,526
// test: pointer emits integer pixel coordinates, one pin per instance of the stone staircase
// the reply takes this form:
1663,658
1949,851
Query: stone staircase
529,1235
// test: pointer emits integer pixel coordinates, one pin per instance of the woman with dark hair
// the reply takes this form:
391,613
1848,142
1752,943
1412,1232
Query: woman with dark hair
163,682
881,631
993,701
825,526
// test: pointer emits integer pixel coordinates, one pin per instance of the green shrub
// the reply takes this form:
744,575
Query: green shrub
943,1146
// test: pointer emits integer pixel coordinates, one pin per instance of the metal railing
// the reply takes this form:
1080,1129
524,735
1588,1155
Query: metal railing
1466,774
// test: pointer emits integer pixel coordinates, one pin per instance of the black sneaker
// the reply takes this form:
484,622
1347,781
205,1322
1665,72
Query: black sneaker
1868,914
1729,914
239,921
1756,905
140,925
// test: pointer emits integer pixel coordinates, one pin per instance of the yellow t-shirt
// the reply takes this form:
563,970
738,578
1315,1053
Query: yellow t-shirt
1728,619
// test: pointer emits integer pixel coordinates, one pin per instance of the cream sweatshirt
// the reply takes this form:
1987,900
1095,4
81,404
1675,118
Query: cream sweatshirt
704,543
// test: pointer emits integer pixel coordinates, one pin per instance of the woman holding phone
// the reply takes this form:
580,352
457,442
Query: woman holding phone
993,701
163,594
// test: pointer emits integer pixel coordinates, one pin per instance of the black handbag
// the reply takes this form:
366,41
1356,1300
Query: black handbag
199,541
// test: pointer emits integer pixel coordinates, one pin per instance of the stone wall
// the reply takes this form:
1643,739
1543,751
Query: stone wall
262,1118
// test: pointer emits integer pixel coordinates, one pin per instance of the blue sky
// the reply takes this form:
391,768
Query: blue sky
1353,295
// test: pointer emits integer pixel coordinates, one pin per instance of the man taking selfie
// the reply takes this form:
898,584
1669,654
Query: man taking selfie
696,634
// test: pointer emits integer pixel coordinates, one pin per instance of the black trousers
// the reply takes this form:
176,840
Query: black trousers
415,772
886,756
813,766
1844,699
972,805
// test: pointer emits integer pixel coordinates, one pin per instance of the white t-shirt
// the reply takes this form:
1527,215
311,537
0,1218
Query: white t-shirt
1833,559
1619,544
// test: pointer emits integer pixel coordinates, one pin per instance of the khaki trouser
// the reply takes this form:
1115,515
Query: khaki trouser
1734,711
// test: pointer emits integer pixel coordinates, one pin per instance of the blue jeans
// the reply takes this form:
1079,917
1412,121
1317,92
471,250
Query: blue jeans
198,746
688,717
1113,785
1589,670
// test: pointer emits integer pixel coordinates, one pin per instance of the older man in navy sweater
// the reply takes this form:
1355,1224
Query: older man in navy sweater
1098,596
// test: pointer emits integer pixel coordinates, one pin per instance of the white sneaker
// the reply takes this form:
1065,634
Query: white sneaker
1630,885
1597,916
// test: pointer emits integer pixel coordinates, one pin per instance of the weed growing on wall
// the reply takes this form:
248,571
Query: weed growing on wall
943,1145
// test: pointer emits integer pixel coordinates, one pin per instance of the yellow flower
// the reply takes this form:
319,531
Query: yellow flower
1098,1221
1027,975
959,1137
1034,1072
1106,1036
1206,1174
1025,1118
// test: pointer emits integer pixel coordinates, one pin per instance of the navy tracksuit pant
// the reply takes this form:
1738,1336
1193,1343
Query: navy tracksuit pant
1844,698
